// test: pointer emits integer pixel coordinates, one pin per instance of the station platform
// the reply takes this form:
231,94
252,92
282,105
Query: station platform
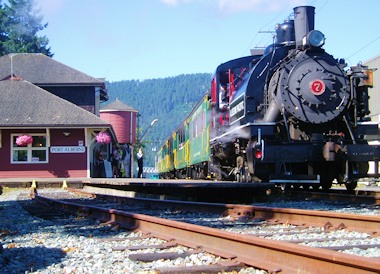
186,189
192,190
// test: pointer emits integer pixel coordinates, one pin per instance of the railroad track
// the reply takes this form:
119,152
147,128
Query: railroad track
356,196
243,249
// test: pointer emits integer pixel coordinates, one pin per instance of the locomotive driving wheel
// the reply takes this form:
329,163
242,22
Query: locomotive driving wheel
327,178
327,171
353,168
351,184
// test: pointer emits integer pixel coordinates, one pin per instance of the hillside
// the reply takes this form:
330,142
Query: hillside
168,99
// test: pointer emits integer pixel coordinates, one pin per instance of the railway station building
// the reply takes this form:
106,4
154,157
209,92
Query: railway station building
49,119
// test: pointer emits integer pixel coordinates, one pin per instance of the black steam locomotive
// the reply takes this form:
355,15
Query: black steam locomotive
293,114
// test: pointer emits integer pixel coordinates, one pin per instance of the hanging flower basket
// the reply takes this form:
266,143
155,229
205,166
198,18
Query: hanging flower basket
24,140
103,138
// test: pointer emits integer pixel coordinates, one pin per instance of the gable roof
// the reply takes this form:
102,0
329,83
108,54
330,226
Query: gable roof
26,105
40,70
117,105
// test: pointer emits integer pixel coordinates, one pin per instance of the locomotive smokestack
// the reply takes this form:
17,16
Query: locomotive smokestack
303,22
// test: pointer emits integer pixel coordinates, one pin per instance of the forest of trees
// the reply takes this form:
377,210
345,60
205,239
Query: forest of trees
169,100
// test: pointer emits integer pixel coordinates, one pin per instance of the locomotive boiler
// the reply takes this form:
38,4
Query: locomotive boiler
292,115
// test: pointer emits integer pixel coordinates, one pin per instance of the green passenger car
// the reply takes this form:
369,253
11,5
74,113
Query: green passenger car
199,139
165,159
186,152
181,149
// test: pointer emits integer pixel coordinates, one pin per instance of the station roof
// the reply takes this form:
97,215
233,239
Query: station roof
40,70
24,104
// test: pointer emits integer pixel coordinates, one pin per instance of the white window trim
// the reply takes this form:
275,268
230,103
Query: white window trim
29,148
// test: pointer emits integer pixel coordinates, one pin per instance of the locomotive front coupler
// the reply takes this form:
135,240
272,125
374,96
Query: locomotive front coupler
333,145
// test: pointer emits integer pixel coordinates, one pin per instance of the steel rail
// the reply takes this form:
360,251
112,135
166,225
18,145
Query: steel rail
327,219
356,196
365,223
273,256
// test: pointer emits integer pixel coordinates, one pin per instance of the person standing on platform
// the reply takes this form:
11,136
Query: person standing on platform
140,162
99,166
115,158
126,161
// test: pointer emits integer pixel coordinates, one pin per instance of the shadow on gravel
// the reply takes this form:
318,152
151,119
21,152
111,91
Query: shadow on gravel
30,259
14,225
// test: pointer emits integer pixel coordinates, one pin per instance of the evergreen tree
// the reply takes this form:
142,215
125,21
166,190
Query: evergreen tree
19,24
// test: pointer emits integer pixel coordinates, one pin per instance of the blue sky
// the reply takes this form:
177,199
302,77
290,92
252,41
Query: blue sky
146,39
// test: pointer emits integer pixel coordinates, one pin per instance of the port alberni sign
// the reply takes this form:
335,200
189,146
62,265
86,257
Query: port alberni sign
67,149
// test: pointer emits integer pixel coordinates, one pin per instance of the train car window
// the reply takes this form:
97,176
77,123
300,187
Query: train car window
196,127
213,90
175,139
170,146
181,137
231,85
186,132
223,97
203,120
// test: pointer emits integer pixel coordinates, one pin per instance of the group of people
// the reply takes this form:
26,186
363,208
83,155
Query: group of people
121,162
120,158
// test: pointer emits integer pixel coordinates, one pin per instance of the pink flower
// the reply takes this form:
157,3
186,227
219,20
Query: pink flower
103,137
24,140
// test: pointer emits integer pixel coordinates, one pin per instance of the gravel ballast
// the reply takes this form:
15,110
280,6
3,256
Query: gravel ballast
74,244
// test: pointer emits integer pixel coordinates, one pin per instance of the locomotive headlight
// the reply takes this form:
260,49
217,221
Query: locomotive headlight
315,38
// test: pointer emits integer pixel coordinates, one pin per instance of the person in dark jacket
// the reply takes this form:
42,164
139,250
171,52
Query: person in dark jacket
115,158
126,158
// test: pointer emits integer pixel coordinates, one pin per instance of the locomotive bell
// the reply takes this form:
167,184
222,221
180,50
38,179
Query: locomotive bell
285,33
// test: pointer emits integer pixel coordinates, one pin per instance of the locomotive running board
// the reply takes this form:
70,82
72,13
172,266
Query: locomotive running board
294,179
233,129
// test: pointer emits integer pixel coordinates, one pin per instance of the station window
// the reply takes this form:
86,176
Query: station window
35,152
